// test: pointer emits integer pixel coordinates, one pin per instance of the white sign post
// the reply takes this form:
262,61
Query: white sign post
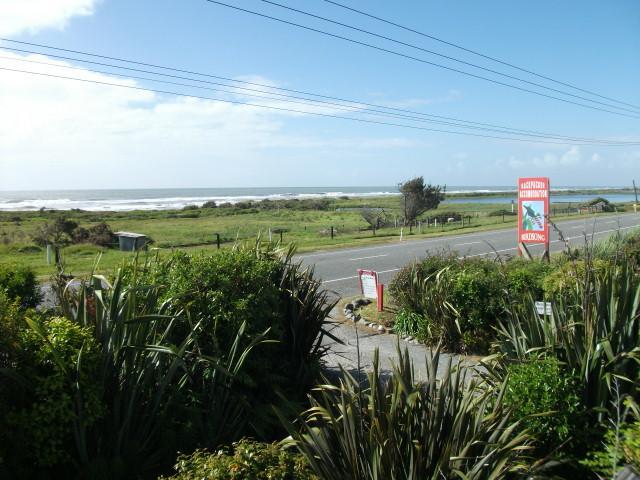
544,308
368,283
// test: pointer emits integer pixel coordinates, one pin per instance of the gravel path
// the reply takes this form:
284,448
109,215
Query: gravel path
346,354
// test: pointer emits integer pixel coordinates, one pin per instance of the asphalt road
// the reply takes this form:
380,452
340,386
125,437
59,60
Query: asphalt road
338,268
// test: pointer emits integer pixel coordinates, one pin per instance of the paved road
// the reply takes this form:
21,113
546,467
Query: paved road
337,268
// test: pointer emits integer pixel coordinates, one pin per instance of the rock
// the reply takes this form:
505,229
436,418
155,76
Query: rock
390,330
408,339
355,317
349,306
381,329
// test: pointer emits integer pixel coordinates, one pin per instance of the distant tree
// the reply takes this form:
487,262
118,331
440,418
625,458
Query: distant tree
60,232
418,198
375,217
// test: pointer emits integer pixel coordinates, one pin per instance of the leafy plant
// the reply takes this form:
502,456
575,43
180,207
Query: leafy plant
410,323
245,460
594,330
546,398
19,282
399,428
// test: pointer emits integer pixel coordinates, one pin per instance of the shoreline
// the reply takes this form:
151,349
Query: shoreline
178,203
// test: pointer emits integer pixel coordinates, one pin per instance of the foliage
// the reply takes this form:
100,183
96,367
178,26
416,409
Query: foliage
399,428
594,331
410,323
19,282
525,279
546,398
42,416
418,197
621,443
146,372
246,460
99,234
569,274
209,204
459,300
607,206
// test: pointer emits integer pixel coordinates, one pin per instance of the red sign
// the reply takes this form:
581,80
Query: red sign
533,210
368,283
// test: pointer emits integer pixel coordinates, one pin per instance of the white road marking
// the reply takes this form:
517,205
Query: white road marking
339,279
364,258
564,224
489,252
468,243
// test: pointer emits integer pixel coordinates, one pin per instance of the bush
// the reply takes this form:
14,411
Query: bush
459,300
209,204
261,290
246,460
544,387
525,279
631,250
42,416
19,282
571,273
621,444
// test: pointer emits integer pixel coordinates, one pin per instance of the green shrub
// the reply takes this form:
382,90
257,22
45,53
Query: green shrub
594,330
19,282
246,460
525,279
460,299
621,448
568,275
43,417
546,398
631,250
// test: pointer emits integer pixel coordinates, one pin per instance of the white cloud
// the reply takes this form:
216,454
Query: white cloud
19,16
57,133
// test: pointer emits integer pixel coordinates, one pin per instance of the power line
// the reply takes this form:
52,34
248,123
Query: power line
289,110
448,57
305,101
301,92
421,60
475,52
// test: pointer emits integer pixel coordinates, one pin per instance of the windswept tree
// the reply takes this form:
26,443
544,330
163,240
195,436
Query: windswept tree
418,198
375,217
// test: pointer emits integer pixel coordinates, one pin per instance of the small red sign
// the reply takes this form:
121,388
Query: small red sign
533,210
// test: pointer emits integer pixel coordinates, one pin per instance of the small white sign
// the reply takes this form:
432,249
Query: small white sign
544,308
369,283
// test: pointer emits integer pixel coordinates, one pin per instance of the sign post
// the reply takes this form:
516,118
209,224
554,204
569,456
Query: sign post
368,283
533,214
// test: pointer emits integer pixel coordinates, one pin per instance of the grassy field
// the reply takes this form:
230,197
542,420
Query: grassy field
307,224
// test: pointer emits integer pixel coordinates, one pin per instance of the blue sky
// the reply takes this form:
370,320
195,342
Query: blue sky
61,134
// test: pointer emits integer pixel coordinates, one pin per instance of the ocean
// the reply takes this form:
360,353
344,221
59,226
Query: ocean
177,198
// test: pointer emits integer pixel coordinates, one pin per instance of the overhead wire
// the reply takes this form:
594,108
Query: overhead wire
442,55
290,110
421,60
271,87
302,100
479,54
